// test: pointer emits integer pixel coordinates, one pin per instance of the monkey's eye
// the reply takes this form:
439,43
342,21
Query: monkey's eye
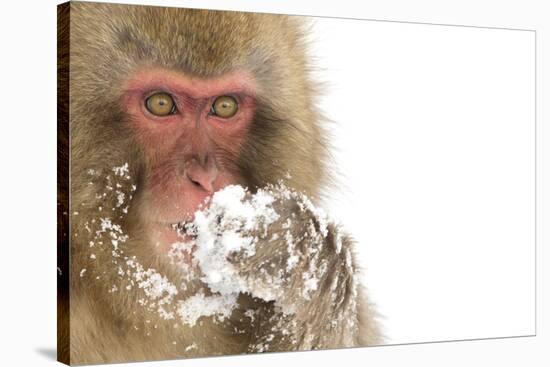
160,104
224,107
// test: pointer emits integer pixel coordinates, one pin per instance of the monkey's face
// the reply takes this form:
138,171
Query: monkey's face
191,101
191,132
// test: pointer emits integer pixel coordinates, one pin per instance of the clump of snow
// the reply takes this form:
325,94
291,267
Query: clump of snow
226,227
158,290
230,224
191,347
200,305
250,314
234,222
121,171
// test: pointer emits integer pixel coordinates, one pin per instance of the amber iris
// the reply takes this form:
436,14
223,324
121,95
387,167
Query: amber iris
160,104
225,107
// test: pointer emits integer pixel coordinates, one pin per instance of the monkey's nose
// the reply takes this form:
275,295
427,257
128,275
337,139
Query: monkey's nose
202,177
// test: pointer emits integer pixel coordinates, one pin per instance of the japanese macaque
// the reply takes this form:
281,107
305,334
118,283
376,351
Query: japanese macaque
175,113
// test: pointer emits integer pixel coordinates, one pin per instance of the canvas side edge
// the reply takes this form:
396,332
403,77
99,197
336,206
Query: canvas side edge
63,186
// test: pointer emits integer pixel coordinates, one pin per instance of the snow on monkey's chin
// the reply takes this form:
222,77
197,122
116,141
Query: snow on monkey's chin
165,234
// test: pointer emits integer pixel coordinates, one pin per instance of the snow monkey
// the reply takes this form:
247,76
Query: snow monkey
166,114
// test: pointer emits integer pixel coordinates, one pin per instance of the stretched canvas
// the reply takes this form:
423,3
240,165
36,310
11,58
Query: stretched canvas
234,182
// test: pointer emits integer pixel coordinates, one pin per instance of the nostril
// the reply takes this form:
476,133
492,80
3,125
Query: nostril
193,181
200,179
201,176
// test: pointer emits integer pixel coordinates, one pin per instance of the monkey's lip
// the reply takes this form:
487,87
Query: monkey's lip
185,228
166,234
179,226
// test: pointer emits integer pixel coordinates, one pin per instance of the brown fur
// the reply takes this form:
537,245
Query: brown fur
109,42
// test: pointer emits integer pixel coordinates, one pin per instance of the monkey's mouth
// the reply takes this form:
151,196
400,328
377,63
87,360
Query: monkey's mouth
185,229
163,235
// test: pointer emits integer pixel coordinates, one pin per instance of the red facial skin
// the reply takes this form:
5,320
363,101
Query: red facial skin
191,153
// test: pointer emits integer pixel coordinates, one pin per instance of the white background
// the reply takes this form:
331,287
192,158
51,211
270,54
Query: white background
28,186
434,138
